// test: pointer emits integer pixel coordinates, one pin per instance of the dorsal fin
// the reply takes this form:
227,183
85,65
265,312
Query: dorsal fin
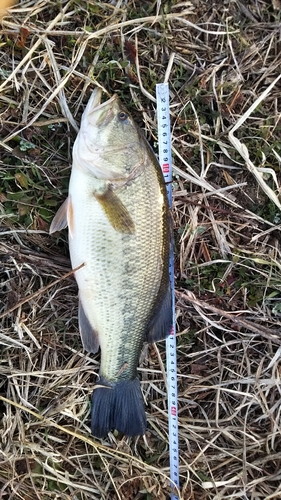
161,322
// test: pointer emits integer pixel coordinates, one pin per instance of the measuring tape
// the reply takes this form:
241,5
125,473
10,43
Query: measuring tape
165,160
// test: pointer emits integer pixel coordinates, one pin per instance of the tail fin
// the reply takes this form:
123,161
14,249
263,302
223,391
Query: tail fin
118,406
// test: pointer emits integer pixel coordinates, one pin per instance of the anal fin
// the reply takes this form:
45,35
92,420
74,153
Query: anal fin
89,336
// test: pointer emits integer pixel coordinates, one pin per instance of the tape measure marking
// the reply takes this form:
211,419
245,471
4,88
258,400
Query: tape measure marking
165,160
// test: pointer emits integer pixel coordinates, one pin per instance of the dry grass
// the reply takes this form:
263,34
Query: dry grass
223,60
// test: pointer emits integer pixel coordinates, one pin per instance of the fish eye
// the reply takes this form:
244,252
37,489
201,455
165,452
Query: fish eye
122,116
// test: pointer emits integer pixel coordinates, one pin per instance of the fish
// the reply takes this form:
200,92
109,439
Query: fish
4,5
119,226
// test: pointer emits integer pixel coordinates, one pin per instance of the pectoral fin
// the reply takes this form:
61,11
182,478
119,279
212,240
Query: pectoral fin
63,218
116,212
89,336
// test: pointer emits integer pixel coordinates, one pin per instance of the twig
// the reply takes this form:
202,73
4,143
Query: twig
42,290
258,329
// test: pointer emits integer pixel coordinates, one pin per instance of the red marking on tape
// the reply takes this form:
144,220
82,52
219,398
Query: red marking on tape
174,411
166,168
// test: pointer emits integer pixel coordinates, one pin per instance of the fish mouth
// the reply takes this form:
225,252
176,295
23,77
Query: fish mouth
98,113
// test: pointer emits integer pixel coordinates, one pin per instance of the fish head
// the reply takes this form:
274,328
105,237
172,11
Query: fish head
109,144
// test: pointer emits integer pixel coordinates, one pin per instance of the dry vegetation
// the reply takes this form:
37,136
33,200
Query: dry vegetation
222,58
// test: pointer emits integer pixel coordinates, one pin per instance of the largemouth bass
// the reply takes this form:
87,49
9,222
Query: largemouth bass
118,220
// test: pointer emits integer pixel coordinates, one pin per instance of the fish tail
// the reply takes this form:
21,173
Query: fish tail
118,406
